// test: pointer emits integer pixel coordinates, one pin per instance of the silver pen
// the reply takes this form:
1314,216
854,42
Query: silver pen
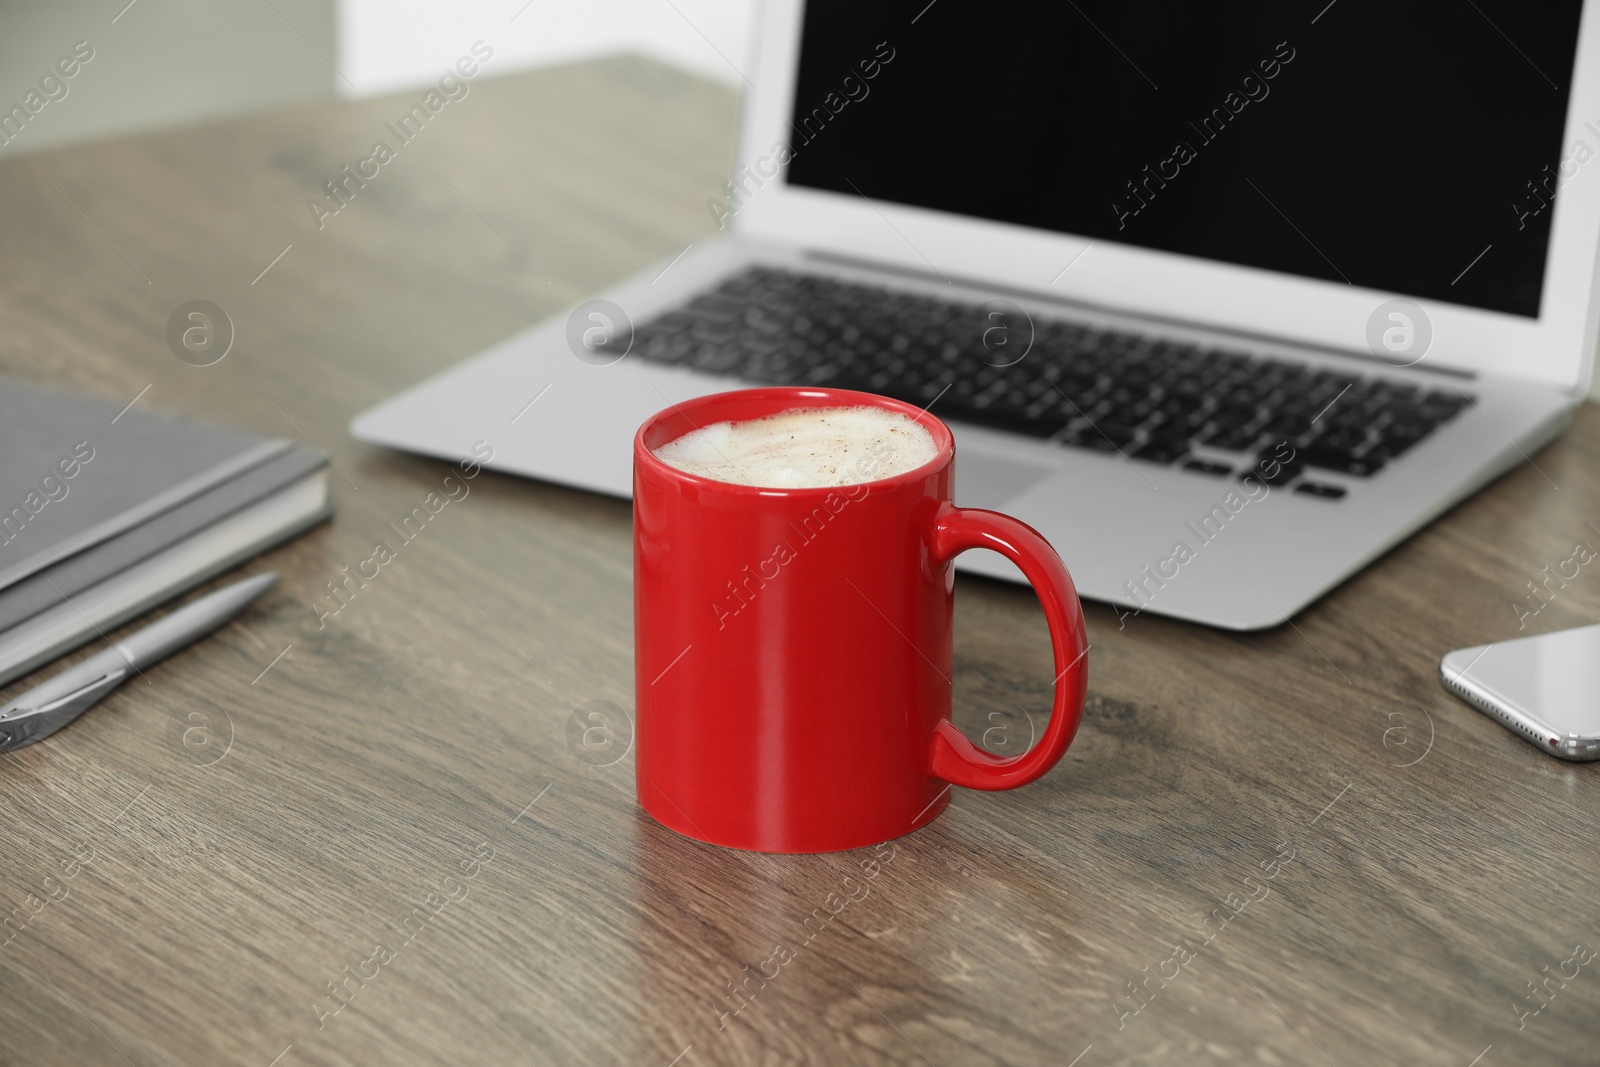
44,709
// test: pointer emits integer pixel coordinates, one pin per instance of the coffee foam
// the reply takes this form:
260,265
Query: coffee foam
804,448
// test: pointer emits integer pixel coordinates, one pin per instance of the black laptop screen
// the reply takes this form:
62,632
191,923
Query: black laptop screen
1408,147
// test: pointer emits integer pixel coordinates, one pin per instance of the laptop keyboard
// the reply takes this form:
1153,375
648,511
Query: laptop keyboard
1081,386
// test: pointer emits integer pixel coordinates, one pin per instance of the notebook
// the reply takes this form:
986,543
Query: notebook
106,513
75,471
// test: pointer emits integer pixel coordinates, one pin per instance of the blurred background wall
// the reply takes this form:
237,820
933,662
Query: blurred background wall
388,44
160,62
168,62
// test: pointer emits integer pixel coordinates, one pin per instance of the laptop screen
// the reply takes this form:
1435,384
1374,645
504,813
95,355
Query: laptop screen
1408,147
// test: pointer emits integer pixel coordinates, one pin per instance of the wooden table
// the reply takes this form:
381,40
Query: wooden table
1283,848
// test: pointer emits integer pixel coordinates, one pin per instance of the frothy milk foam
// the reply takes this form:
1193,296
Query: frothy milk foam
804,448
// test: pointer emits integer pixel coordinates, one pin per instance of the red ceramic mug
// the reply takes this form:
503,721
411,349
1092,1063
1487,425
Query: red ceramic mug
792,646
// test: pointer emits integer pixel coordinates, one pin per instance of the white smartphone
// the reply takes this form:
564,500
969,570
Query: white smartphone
1546,688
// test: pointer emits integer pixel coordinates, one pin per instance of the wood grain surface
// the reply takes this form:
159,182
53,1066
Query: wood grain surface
373,839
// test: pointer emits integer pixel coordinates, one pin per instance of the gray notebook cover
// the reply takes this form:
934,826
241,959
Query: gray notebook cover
208,551
75,472
44,588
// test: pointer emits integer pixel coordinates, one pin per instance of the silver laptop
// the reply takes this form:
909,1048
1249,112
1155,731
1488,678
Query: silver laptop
1226,305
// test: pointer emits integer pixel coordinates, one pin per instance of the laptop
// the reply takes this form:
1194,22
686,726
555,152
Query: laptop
1226,303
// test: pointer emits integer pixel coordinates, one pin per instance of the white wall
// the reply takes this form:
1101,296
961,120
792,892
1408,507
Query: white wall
160,62
385,45
167,62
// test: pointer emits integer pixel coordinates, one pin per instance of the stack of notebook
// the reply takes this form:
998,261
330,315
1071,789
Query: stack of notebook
104,514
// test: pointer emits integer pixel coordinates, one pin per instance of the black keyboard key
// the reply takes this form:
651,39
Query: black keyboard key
1232,414
1002,418
1408,427
1287,427
717,359
1396,438
1352,439
1098,440
1321,491
1272,470
1208,466
1180,428
1333,384
1282,475
1393,446
664,348
1234,440
1333,459
1189,427
1121,433
1159,451
1178,407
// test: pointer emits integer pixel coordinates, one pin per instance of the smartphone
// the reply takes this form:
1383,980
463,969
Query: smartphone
1546,688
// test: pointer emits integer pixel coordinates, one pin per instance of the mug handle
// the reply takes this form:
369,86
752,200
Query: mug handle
955,758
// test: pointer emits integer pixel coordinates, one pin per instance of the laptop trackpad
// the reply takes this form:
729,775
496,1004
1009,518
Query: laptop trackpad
984,481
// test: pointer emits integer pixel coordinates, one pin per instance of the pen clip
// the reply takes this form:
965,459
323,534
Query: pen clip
35,724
